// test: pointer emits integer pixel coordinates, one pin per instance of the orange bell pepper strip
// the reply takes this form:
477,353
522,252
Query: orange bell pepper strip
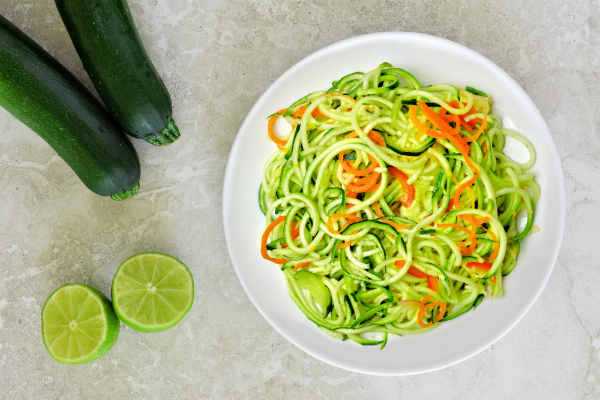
433,283
479,266
417,273
265,238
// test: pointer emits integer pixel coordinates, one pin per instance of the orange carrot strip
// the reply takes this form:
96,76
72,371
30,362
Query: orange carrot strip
377,209
300,111
396,226
473,231
373,135
435,134
456,121
270,129
494,254
439,316
412,114
265,238
344,245
377,139
450,205
370,185
460,144
304,264
462,187
466,126
349,220
462,228
481,221
479,132
434,118
295,231
374,187
422,310
357,172
366,180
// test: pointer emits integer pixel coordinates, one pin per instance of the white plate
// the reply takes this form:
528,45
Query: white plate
430,60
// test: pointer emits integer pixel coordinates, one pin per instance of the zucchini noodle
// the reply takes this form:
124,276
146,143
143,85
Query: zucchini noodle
392,207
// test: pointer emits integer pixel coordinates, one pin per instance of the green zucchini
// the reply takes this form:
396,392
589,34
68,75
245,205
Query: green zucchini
475,91
112,53
413,102
41,93
414,151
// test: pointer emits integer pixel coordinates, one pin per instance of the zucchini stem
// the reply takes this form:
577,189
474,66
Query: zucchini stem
126,193
166,136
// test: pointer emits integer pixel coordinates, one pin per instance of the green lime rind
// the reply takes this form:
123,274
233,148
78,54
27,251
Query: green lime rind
152,292
78,324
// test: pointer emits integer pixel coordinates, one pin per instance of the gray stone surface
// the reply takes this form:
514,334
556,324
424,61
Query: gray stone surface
216,58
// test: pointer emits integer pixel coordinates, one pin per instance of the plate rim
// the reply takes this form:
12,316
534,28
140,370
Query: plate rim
421,37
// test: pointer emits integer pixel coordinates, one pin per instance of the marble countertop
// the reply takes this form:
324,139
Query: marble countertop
216,58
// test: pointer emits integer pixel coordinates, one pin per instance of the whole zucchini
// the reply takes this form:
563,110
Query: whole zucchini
112,53
40,92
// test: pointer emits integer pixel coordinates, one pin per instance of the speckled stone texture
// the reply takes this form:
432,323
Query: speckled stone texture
216,58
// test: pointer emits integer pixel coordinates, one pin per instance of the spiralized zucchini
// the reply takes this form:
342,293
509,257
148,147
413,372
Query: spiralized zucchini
390,206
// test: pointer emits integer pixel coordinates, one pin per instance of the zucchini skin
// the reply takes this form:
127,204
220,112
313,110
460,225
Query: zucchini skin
113,55
46,97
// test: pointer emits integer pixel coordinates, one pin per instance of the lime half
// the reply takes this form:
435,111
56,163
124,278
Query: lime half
78,324
151,292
